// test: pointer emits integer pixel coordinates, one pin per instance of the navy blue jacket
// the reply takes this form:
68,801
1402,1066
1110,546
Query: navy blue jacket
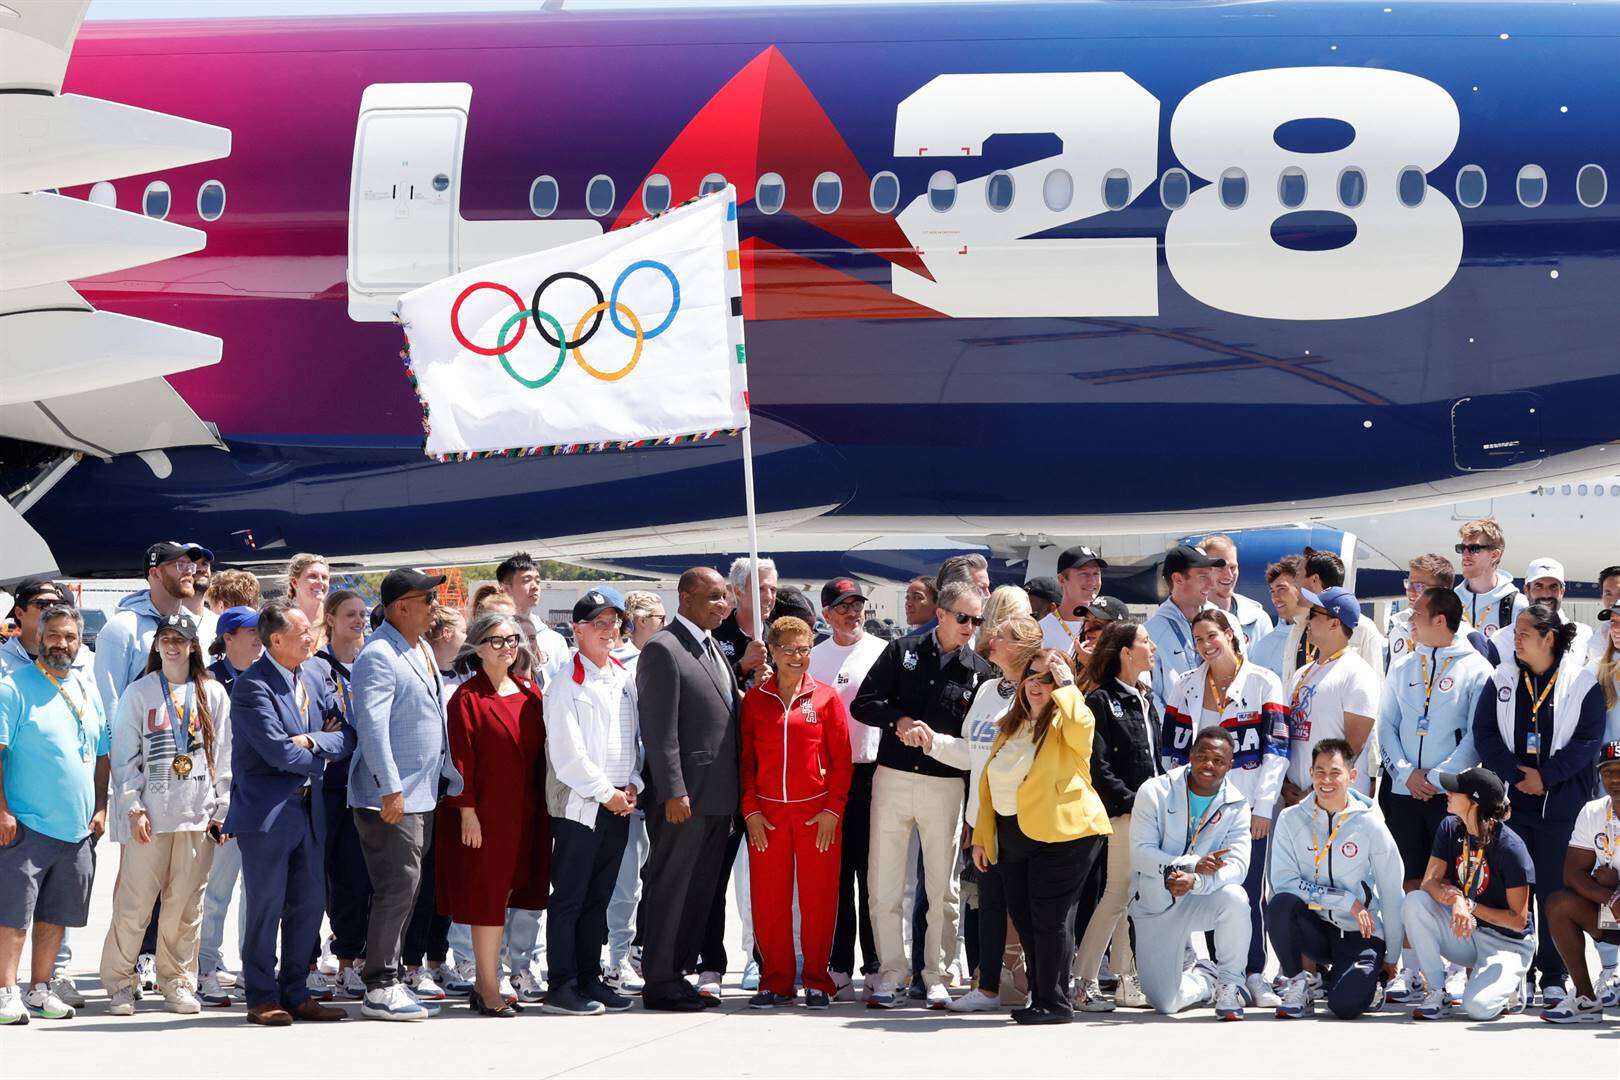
269,770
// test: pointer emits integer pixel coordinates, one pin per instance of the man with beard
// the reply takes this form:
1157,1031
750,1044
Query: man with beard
124,643
1543,584
197,603
31,599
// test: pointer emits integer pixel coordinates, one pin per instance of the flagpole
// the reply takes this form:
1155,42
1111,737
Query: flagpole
753,528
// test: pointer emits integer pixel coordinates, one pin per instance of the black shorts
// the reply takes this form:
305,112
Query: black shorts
1413,823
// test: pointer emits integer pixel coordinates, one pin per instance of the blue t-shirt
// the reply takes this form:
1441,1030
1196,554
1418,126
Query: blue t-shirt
50,755
1197,807
1507,866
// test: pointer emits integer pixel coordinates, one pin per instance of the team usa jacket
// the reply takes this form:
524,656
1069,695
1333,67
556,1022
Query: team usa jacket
797,753
1256,713
1163,837
1333,860
1568,740
1426,719
1488,612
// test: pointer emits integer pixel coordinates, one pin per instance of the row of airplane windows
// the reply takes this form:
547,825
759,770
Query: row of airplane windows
1578,489
1057,191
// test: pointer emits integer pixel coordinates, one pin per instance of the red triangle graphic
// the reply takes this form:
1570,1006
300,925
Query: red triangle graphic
782,284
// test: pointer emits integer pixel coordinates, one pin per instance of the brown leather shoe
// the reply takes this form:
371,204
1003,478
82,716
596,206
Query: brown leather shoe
310,1009
269,1016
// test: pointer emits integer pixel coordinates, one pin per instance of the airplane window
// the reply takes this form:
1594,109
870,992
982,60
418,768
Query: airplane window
712,183
211,200
998,191
828,192
1173,188
942,190
1116,191
1234,188
885,192
1566,489
600,195
655,194
1291,187
1411,186
1057,191
1532,186
1352,187
1581,490
1591,185
770,193
543,196
155,201
1470,185
104,194
1614,489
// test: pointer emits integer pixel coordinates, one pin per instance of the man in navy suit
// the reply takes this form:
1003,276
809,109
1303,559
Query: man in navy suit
285,727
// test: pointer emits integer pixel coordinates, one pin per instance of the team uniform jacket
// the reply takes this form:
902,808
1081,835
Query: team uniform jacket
1437,734
1256,713
1488,612
1162,837
1333,860
1567,753
797,753
581,708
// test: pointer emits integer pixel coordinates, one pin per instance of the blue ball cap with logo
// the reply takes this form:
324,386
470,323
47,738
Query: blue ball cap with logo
241,617
1338,602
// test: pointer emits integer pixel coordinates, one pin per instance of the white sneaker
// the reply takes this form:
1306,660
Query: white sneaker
939,997
1406,988
1608,988
625,980
1229,1002
1456,980
146,973
227,979
1128,994
1297,999
528,987
708,983
507,991
43,1003
12,1009
350,986
319,986
63,987
327,964
422,985
1434,1005
1089,997
179,999
975,1000
1552,994
393,1002
122,1002
750,976
429,1005
452,980
1574,1009
1314,983
1259,992
211,993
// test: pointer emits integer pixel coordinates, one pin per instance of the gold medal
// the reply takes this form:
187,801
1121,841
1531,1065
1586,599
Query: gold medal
182,766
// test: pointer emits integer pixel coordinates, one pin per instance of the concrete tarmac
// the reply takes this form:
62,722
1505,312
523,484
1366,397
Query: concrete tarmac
845,1041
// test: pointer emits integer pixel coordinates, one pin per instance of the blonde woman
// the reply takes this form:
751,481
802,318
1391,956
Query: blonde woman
1007,602
309,579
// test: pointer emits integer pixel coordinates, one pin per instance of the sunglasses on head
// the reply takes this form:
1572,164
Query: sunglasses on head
963,620
1472,549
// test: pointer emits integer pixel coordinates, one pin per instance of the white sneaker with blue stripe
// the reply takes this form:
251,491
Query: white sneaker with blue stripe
392,1003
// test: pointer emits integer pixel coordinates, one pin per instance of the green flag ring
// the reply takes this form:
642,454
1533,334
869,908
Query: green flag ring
562,351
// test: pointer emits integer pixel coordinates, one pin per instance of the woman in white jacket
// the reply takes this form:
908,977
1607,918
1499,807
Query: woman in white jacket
171,783
1012,645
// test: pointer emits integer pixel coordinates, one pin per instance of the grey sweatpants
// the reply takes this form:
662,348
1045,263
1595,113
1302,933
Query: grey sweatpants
394,861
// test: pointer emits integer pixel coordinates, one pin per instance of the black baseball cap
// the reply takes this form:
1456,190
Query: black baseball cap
1079,556
31,589
400,583
169,550
790,600
1185,557
1044,588
1605,615
594,603
1107,609
181,623
1481,785
835,592
1608,754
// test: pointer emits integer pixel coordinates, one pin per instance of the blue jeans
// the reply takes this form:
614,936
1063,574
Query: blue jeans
621,913
216,901
522,927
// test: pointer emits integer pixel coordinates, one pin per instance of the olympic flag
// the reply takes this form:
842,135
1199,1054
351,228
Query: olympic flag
630,338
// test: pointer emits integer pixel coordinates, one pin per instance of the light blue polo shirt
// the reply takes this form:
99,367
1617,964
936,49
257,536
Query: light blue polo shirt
50,787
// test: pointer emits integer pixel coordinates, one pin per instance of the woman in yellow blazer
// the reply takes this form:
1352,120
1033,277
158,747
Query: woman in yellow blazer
1042,824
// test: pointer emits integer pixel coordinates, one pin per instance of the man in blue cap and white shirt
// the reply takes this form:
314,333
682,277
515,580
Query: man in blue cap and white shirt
1335,696
1190,575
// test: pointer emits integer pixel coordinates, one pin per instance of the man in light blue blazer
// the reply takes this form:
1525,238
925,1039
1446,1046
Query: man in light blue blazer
401,768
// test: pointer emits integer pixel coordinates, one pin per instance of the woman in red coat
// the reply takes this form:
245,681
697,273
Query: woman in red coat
494,839
796,772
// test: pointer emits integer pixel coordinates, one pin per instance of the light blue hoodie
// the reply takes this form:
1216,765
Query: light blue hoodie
123,646
1457,674
1360,863
1483,611
1159,833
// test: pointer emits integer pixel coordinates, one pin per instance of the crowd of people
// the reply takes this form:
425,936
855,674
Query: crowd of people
1031,797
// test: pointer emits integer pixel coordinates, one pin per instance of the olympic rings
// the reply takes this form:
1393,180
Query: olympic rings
519,320
674,303
455,319
634,357
534,305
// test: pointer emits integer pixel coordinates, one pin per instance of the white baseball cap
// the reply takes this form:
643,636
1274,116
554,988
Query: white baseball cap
1543,568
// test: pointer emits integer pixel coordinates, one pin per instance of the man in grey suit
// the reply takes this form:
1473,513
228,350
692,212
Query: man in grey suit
401,768
687,707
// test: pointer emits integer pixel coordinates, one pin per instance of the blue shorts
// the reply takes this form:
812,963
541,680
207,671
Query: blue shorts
43,879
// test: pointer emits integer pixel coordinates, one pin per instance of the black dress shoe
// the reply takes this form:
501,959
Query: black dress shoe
482,1007
1040,1015
677,1003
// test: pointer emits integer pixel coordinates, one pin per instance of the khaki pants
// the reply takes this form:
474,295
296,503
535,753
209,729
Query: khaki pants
1108,921
174,868
932,805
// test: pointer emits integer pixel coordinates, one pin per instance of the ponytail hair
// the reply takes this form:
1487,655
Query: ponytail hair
1544,619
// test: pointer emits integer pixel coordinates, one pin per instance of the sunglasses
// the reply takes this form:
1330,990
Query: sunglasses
1411,586
1042,679
43,603
1472,549
497,641
963,620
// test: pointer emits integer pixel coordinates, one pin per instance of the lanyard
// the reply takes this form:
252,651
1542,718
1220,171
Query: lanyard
1322,849
180,724
1535,707
1221,700
1065,624
1305,676
1194,833
78,713
1471,868
1428,683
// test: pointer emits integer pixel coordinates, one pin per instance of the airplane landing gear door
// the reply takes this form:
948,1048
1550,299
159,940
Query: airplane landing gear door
404,192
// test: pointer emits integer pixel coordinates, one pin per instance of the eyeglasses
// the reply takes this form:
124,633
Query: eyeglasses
963,620
1415,587
605,625
498,642
792,650
184,566
1472,549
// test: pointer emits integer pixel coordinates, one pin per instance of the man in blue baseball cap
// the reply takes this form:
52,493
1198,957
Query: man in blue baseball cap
1334,696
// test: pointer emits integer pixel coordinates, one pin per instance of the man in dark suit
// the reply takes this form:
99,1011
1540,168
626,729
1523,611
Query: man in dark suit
687,701
285,727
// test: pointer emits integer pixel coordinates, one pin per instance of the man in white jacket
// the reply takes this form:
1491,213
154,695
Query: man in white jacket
592,780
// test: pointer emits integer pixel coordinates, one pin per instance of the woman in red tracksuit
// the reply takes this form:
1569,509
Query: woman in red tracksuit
796,771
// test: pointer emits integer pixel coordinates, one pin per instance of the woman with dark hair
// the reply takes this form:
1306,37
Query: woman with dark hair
1041,823
171,785
1538,727
1473,907
1124,754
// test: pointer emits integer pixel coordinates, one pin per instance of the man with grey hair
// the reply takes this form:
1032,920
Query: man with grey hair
736,636
970,567
929,678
